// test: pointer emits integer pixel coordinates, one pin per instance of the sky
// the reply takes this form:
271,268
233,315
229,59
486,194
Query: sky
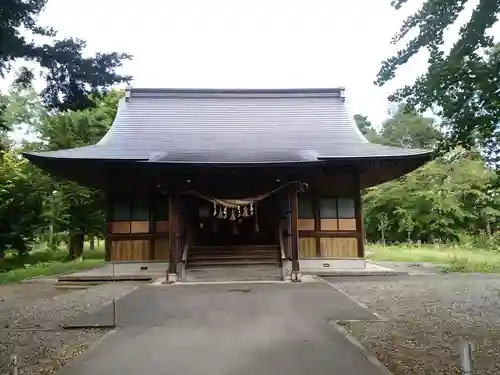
247,43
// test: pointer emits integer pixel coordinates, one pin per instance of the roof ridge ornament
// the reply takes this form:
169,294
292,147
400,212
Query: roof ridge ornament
342,93
128,89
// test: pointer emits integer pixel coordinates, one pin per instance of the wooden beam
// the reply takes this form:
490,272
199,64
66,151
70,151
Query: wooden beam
358,209
317,219
344,233
136,236
173,227
295,229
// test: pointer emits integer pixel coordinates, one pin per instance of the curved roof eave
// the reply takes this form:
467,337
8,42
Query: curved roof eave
89,153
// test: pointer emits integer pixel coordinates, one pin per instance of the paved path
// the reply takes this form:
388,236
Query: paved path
240,329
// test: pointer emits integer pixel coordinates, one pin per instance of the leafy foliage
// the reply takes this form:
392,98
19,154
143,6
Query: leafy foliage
32,204
76,209
22,191
460,86
446,200
71,78
409,130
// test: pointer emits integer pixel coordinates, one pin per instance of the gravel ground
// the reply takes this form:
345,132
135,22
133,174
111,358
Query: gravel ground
30,318
410,267
426,318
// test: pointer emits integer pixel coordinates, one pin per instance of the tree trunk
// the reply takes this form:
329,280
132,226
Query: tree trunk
488,228
76,241
383,237
92,243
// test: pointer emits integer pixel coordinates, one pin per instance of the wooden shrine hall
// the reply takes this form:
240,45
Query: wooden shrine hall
206,179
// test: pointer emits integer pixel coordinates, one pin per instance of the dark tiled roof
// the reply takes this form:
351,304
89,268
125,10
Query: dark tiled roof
233,126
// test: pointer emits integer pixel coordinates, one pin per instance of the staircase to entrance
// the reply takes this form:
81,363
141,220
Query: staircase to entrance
233,263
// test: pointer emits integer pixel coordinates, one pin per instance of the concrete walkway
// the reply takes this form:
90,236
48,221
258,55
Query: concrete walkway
226,329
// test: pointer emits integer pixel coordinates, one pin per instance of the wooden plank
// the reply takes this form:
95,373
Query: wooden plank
120,227
329,224
134,250
136,236
347,224
139,227
309,233
307,247
339,247
162,249
306,224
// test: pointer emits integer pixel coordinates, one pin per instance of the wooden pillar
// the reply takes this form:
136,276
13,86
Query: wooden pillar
152,224
358,209
108,245
295,232
173,228
317,220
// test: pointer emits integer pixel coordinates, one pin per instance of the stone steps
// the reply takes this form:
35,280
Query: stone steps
233,263
233,256
228,274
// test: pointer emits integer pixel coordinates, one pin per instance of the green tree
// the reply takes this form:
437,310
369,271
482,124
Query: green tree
22,191
409,130
455,195
366,128
461,86
79,210
71,78
445,199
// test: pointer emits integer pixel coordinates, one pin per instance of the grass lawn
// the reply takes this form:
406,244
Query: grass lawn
41,262
451,259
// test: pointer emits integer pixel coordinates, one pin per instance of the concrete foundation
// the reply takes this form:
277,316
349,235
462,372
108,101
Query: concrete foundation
120,271
328,264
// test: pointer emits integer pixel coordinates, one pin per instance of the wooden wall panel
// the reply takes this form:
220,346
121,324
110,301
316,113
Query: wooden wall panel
139,227
307,247
161,227
335,185
329,224
161,249
119,227
347,224
306,224
130,250
339,247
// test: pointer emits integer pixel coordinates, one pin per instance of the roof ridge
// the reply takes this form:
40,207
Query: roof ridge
337,92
